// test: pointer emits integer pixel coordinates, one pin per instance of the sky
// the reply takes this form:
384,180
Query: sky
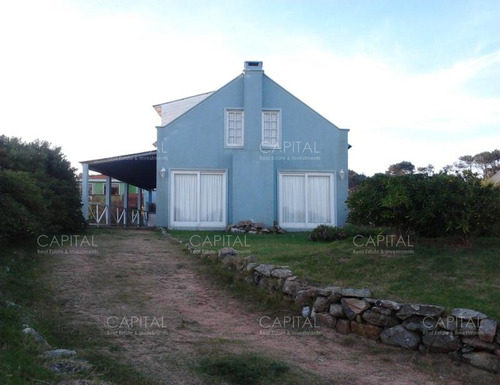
414,81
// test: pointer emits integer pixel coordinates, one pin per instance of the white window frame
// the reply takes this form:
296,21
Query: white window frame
307,224
265,144
198,223
226,128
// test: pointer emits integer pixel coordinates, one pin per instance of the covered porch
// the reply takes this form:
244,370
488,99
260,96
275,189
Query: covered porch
137,170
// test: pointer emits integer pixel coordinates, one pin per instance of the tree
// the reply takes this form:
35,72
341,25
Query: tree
401,168
484,164
487,162
38,189
429,169
355,180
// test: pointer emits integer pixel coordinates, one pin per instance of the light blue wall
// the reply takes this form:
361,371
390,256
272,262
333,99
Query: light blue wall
195,141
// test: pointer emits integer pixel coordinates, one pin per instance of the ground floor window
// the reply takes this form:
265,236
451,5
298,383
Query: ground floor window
306,199
198,199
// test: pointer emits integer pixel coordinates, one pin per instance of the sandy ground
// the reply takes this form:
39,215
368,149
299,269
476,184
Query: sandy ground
140,279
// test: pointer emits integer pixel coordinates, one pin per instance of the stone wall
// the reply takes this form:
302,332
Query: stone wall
466,335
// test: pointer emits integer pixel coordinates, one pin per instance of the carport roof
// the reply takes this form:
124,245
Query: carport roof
136,169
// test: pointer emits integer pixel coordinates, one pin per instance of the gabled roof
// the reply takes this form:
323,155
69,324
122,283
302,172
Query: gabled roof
170,111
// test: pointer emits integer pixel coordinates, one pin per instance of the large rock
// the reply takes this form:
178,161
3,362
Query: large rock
251,267
334,297
343,326
282,273
69,365
441,341
487,330
242,263
33,335
391,305
483,360
358,293
467,327
291,285
420,324
448,323
399,336
382,310
270,284
325,319
265,269
409,309
479,344
318,292
336,310
353,307
366,330
59,353
302,298
378,319
227,252
321,304
467,314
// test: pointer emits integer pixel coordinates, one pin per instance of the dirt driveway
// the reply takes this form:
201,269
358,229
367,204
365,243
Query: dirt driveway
145,293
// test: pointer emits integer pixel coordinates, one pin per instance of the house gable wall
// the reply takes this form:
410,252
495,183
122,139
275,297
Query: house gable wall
309,141
195,141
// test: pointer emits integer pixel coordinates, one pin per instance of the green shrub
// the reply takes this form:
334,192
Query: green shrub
432,206
38,189
327,234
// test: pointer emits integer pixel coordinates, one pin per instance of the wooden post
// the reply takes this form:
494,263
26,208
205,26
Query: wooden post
125,203
108,200
85,191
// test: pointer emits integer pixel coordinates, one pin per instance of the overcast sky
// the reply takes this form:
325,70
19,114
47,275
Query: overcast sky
413,80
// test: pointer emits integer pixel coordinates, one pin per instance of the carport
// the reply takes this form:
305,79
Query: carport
133,169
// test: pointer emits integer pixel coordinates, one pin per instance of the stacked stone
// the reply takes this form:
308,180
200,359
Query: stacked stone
251,227
467,335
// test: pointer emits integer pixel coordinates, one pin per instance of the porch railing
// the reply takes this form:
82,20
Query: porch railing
119,216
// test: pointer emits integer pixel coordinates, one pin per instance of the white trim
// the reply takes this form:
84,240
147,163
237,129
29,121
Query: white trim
198,223
307,224
226,128
268,145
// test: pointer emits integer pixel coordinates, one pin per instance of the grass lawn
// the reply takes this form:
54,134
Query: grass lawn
434,271
23,280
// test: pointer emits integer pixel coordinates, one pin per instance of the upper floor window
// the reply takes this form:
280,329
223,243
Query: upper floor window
234,128
271,129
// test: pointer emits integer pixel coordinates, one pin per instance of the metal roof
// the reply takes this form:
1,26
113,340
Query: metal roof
170,111
136,169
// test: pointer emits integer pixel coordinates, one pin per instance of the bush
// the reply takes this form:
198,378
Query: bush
38,189
431,206
327,234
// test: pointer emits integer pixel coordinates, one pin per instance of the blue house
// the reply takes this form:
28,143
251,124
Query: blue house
249,151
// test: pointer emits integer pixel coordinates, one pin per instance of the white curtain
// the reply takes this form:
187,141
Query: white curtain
211,197
185,197
319,205
293,203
